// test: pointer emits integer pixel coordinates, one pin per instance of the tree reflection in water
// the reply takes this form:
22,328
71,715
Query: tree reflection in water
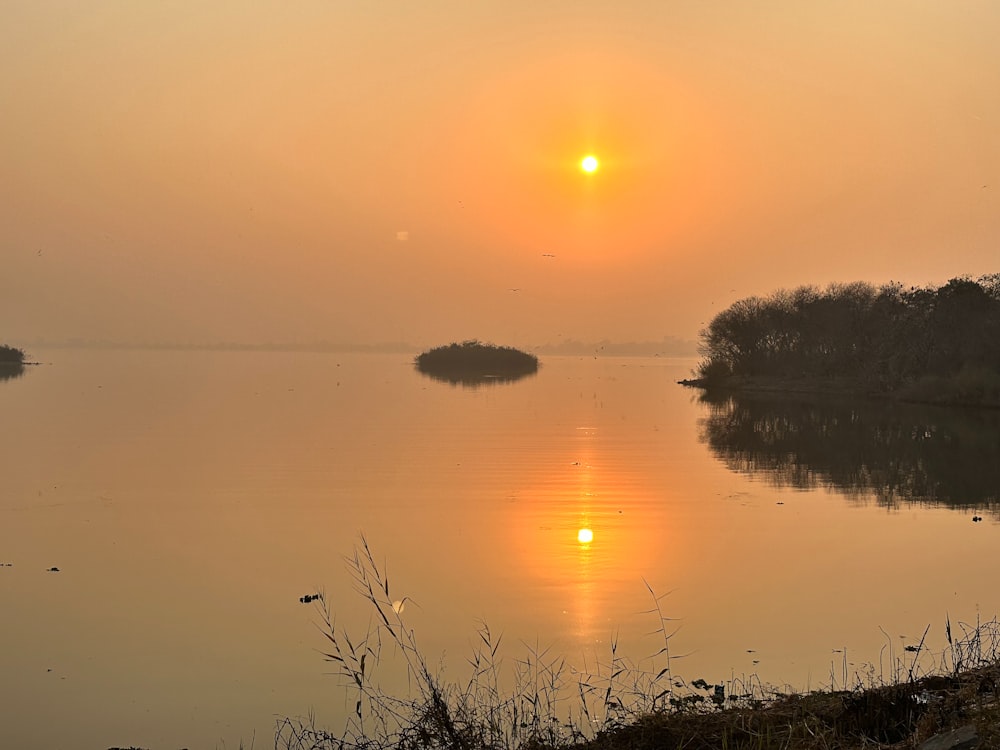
898,453
475,380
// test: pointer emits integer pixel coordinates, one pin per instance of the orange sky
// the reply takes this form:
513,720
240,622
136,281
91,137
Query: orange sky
382,171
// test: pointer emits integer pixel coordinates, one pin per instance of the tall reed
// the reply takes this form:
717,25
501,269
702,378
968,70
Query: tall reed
540,702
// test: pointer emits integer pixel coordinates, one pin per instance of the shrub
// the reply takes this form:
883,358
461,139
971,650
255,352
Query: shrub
11,355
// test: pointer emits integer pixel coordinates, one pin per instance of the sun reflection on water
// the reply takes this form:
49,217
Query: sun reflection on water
586,540
583,604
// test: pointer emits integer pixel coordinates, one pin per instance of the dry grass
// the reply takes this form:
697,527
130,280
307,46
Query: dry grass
540,703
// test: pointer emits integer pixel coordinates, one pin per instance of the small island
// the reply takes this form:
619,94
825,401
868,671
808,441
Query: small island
921,344
10,355
11,362
476,363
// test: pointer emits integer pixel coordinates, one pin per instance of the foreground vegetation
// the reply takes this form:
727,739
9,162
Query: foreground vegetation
473,361
546,706
939,345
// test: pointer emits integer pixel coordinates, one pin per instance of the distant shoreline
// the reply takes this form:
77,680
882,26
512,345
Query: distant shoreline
567,349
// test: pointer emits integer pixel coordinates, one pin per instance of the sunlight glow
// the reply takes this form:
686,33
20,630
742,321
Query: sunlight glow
589,164
585,536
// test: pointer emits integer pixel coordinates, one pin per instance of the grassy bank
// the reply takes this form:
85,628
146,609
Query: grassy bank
828,386
539,703
974,387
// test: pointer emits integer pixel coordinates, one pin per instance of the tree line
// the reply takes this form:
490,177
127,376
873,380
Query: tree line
884,337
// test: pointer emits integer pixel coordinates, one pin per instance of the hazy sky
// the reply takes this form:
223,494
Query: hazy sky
365,171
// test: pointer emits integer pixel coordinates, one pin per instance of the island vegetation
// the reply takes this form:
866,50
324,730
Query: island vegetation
11,362
10,355
473,362
935,345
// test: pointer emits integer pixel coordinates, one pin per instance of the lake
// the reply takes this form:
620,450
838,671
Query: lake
189,499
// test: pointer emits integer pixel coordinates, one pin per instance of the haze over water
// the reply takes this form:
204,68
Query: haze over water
398,176
189,499
369,172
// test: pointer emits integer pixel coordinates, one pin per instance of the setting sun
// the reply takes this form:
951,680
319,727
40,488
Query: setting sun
585,536
589,164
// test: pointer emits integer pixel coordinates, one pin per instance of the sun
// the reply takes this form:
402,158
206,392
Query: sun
589,164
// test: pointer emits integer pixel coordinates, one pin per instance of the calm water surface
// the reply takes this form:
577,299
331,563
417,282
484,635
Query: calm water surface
189,499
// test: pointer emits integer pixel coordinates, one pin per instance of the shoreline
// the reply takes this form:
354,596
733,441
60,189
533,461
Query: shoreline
948,392
955,711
